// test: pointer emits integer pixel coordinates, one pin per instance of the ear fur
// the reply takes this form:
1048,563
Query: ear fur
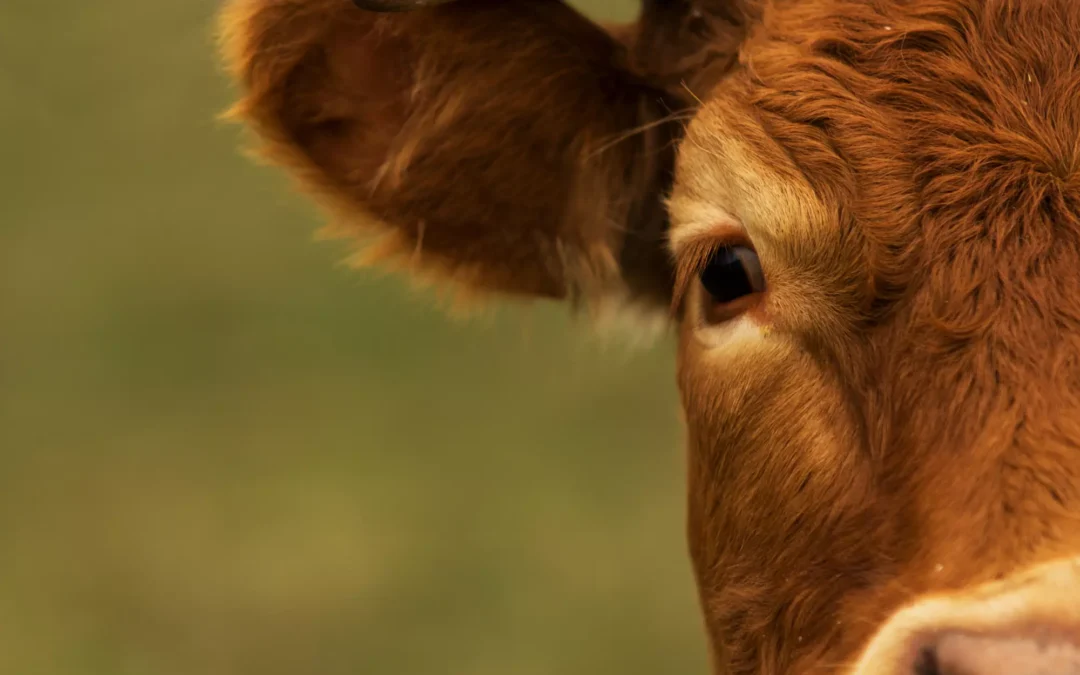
494,144
689,45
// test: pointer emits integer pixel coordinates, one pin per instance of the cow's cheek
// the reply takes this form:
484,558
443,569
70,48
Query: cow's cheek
780,511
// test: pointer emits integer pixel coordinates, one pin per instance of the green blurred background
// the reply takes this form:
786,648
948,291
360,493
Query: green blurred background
222,451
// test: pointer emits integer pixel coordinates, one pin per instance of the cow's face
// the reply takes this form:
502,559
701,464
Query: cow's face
864,218
883,397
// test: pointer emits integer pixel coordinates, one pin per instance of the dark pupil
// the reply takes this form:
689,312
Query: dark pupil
725,277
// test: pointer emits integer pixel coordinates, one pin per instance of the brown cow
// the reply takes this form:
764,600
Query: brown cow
864,216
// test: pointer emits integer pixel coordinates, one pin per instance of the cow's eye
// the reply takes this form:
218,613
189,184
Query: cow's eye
731,279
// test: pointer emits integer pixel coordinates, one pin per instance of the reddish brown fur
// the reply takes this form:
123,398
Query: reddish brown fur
911,423
960,179
429,122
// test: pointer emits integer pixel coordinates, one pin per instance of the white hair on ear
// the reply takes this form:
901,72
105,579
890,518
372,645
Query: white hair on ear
619,319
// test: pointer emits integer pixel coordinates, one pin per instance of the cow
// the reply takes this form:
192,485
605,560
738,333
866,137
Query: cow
861,220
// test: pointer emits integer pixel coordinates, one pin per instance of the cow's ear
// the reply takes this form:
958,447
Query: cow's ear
493,144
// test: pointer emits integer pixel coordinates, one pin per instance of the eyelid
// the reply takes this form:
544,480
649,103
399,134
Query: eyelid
721,227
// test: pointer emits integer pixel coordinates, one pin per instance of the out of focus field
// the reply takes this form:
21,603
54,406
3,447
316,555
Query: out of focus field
222,452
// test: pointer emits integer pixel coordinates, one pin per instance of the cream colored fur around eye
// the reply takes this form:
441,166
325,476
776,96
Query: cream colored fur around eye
698,221
741,331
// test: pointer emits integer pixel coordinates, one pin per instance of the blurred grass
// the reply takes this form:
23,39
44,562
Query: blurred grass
222,452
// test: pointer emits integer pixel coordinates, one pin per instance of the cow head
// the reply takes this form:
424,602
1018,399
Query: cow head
863,219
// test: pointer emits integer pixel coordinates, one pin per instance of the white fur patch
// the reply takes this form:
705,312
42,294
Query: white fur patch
740,332
619,318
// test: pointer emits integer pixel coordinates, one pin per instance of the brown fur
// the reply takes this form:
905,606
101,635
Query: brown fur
906,420
430,124
944,139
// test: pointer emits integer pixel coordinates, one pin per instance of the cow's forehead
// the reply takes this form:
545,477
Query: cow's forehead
730,174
